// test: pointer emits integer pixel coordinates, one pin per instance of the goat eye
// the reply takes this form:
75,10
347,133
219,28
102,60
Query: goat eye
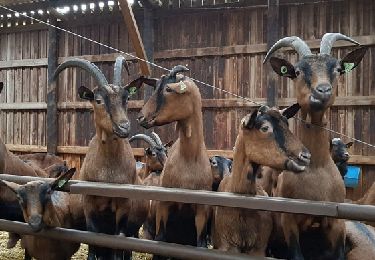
264,129
168,89
98,101
153,154
297,72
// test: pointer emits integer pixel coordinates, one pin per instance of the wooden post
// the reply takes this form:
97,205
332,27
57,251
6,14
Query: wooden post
135,37
272,37
52,126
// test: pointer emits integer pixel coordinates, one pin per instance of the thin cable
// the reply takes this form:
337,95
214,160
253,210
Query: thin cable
166,69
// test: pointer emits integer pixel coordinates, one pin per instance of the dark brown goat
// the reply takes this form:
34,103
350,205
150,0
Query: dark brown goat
263,139
177,99
220,167
315,78
109,158
340,154
43,205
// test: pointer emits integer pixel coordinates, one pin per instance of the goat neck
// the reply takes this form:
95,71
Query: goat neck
243,175
190,132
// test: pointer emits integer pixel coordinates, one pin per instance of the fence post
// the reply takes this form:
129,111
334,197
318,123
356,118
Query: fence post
52,125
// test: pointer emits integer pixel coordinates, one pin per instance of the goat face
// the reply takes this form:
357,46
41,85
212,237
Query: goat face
339,151
110,108
315,76
173,100
34,198
155,158
268,140
220,167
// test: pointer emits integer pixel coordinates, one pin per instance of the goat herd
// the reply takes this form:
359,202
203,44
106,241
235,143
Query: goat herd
268,160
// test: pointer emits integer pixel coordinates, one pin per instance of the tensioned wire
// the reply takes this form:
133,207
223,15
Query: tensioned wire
166,69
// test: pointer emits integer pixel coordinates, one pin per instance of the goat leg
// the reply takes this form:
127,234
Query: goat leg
291,233
201,217
122,214
336,236
161,220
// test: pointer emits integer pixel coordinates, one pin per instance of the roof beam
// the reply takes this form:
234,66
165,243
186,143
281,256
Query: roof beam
135,37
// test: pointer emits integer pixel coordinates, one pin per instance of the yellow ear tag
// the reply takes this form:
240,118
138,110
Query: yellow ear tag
348,67
283,70
132,90
61,183
183,87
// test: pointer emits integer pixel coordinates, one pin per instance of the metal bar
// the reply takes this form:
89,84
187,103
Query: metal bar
277,204
117,242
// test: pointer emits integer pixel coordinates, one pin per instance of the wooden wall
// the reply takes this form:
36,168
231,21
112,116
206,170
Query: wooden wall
222,47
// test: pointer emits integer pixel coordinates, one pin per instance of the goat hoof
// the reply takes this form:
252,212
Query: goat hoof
202,243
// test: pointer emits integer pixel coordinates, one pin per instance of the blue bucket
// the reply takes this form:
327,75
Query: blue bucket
351,178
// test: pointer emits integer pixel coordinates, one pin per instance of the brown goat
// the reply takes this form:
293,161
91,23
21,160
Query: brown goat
50,163
177,99
263,139
109,158
315,78
43,205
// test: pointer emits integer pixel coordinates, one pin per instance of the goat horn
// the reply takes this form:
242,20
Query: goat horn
117,71
145,138
177,69
329,39
293,41
157,139
85,65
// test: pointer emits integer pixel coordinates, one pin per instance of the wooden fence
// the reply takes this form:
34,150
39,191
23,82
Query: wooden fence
221,46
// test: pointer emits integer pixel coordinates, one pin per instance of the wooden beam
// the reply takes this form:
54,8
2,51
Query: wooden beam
272,37
52,124
135,37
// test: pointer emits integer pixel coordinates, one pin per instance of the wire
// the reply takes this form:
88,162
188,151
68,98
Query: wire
166,69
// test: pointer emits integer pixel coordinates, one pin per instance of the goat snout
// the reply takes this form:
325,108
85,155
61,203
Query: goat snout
35,223
122,130
304,157
143,121
345,156
323,92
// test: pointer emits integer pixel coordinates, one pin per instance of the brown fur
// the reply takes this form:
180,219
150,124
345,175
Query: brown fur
368,199
50,163
187,165
243,230
360,241
267,179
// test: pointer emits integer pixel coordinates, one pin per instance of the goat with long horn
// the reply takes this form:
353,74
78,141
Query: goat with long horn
315,78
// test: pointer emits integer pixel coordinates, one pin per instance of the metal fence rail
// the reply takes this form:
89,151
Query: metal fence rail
329,209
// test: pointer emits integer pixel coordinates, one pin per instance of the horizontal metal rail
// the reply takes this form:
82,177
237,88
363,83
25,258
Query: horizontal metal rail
117,242
277,204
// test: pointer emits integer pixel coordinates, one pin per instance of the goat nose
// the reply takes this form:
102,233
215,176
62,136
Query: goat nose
124,126
324,89
140,118
305,157
35,222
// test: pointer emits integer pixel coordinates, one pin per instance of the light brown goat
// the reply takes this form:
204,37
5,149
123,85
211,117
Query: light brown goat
315,78
109,158
44,206
263,138
177,99
50,163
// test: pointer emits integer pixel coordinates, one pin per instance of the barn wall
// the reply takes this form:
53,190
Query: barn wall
224,48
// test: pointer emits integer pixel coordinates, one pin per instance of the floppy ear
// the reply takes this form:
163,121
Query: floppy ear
11,185
352,59
85,93
348,145
63,179
291,111
1,86
249,121
283,68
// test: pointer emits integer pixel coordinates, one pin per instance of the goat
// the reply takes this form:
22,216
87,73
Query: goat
50,163
360,240
340,154
109,158
177,99
220,167
315,77
43,205
263,139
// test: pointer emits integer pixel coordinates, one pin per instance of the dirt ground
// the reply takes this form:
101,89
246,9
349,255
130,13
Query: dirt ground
17,252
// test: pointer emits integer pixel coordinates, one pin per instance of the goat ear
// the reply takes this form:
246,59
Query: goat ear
1,86
283,68
134,85
11,185
348,145
249,121
63,179
291,111
169,144
179,87
352,59
85,93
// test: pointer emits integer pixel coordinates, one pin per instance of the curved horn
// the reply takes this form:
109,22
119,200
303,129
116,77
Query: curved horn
143,137
117,71
157,139
293,41
329,39
85,65
177,69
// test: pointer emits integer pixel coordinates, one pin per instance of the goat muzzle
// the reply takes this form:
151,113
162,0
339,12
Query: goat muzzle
122,130
36,223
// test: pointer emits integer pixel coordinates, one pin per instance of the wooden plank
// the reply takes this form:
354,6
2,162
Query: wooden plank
23,63
135,37
52,125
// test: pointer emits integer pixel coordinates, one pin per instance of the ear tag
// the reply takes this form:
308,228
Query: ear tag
348,67
132,90
283,70
183,87
61,183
